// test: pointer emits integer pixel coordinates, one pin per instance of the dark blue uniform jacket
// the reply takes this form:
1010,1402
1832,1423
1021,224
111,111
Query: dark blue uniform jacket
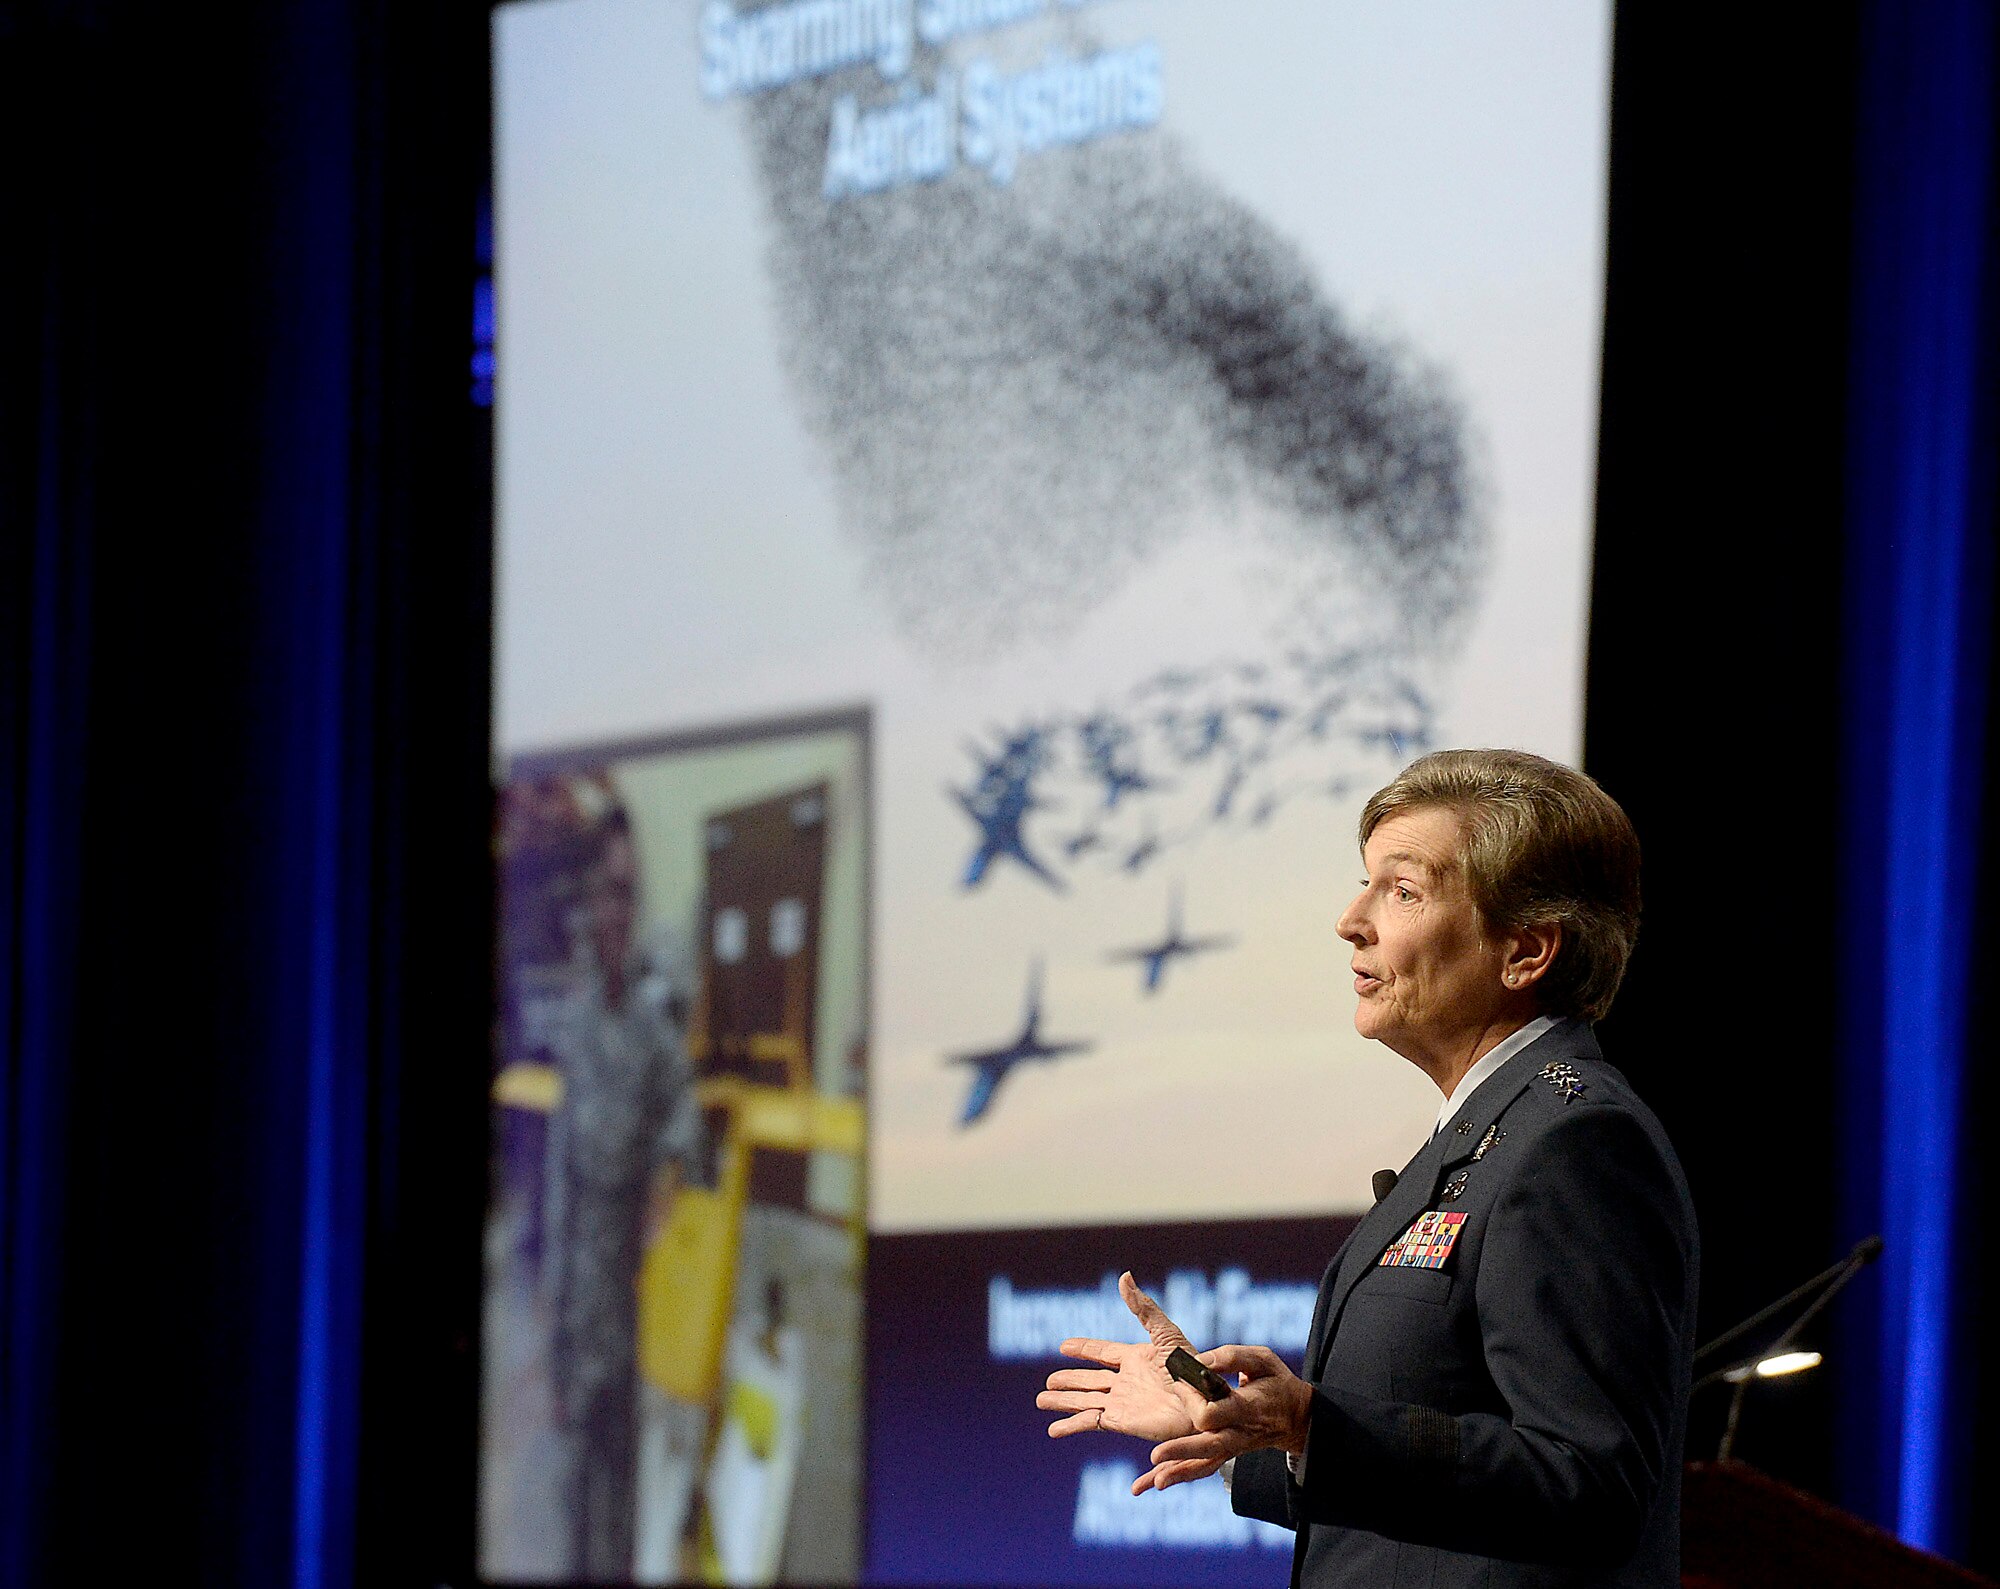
1516,1416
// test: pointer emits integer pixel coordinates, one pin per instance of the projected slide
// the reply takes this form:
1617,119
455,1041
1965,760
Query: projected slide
1146,426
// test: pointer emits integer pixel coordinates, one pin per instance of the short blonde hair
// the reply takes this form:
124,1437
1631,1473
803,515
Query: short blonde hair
1539,844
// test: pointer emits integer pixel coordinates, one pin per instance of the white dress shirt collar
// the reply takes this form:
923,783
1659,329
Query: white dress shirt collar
1488,1063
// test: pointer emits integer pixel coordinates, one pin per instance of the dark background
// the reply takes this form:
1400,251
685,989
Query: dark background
1713,700
244,626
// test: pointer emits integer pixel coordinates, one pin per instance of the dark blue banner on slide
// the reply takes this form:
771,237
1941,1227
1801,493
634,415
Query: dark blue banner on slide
964,1484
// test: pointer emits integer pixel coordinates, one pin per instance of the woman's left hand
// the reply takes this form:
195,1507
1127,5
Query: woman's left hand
1271,1406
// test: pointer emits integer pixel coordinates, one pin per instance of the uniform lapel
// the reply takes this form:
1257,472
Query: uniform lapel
1410,1197
1416,1188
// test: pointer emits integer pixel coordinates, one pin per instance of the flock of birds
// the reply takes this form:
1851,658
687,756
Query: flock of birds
1190,752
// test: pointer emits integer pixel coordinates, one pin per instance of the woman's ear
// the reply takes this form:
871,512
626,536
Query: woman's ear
1531,950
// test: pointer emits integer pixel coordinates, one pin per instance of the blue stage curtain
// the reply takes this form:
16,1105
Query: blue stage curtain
1920,571
243,615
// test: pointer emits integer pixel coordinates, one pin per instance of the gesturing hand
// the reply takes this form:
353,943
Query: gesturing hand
1132,1394
1271,1406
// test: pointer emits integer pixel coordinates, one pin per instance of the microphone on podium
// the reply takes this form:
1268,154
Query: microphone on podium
1384,1182
1778,1358
1828,1282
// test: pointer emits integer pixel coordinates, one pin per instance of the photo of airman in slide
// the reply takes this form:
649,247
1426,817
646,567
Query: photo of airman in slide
675,1242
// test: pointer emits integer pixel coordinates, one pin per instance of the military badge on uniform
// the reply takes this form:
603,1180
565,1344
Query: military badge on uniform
1564,1077
1426,1244
1493,1134
1453,1189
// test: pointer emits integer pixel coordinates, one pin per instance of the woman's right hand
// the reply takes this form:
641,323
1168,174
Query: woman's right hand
1131,1393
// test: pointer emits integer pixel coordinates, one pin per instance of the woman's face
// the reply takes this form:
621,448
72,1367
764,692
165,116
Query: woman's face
1427,976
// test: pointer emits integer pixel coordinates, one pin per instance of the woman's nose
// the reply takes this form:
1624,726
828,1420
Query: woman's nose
1352,925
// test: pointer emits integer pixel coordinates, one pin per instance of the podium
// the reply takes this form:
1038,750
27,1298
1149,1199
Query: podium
1741,1529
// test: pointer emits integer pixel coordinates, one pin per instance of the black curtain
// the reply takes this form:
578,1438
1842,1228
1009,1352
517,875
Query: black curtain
245,637
1714,708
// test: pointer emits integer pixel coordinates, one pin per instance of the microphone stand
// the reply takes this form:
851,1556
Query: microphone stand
1828,1282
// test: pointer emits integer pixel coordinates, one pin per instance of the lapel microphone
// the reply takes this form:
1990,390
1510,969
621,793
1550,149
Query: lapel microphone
1384,1182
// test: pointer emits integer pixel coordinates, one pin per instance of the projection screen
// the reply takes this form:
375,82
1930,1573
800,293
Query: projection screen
985,489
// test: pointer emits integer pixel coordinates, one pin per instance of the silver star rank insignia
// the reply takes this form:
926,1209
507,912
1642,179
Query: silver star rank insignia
1564,1077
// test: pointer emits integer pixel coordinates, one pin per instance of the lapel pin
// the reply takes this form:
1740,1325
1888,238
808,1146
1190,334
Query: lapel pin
1493,1134
1453,1188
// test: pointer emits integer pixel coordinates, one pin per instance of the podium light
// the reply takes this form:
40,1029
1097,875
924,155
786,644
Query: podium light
1775,1366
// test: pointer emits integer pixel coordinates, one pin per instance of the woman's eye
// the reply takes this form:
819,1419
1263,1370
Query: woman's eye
1404,894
